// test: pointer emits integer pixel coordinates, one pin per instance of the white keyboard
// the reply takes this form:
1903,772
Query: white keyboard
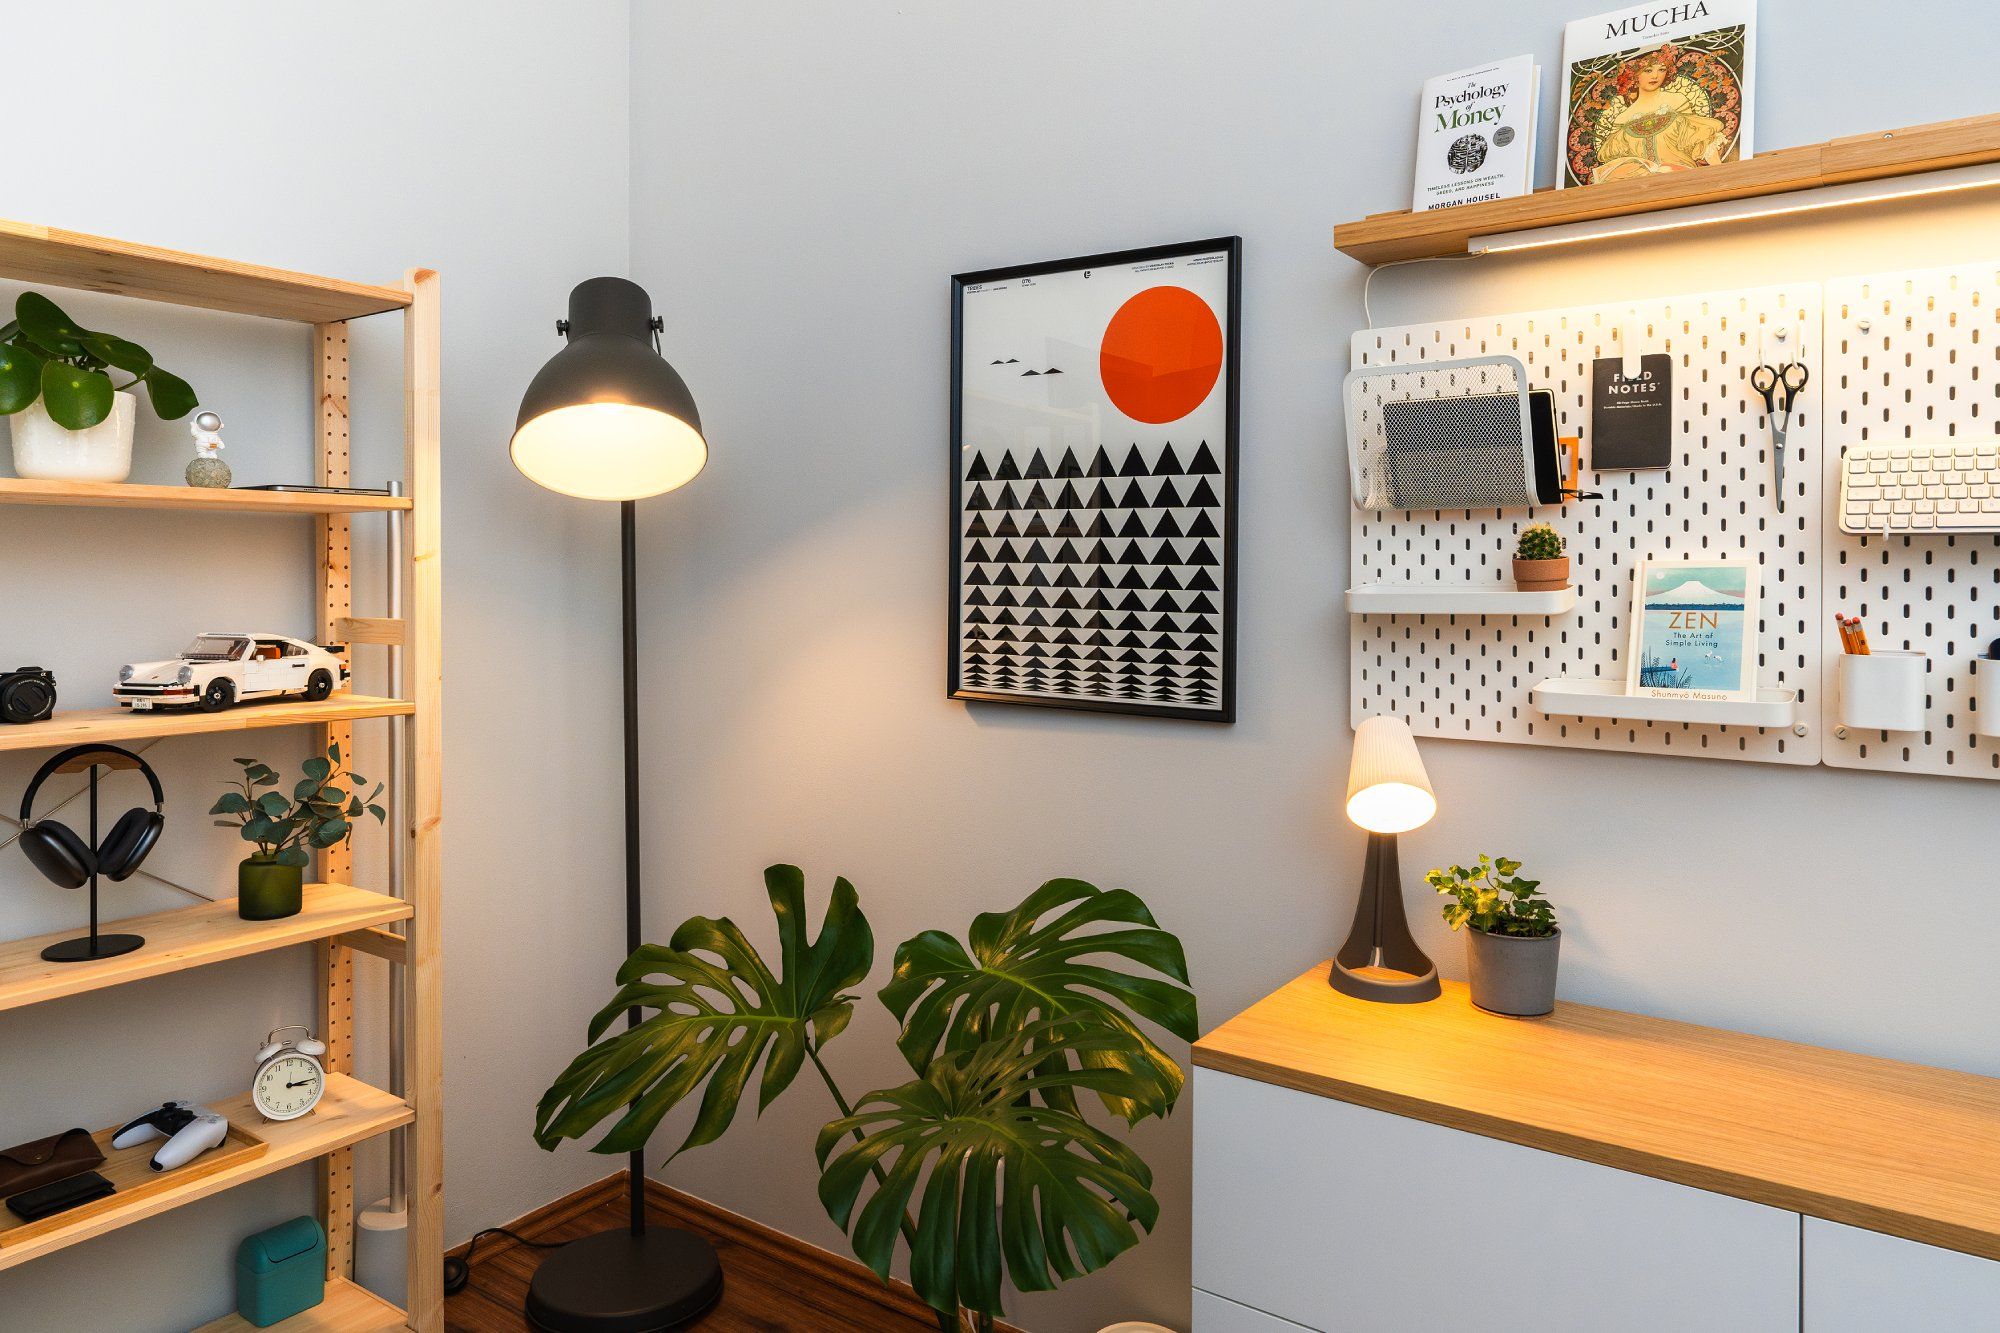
1943,486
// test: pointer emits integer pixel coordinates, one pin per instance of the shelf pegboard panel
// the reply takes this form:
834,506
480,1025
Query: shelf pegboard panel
1470,678
1913,356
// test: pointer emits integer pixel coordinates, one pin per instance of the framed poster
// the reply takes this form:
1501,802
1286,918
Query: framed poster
1694,629
1093,482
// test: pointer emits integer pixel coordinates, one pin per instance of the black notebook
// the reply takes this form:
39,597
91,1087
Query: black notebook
1631,420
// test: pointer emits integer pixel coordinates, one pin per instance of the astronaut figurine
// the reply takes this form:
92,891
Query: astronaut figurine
207,469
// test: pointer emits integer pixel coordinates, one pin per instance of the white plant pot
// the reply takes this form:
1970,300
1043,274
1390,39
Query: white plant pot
46,451
1135,1328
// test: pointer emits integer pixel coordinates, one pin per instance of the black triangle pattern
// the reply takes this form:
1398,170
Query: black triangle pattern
1093,577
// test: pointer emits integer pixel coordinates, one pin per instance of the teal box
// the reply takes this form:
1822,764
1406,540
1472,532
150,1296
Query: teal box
281,1272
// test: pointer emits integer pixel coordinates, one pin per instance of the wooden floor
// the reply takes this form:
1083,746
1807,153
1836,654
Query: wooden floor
772,1283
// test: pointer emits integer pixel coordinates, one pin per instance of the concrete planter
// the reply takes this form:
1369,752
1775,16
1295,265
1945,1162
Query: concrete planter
1511,974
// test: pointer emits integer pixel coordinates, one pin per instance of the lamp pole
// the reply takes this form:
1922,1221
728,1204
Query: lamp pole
628,558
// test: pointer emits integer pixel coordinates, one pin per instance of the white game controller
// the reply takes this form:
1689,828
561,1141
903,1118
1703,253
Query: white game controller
189,1132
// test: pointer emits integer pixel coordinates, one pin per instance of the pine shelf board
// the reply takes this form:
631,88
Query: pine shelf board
1903,1149
126,495
54,257
188,937
1389,237
350,1112
348,1308
115,725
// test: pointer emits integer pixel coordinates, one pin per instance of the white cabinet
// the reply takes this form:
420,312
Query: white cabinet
1212,1314
1338,1217
1863,1282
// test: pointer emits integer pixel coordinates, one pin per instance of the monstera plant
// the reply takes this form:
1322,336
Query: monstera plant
987,1159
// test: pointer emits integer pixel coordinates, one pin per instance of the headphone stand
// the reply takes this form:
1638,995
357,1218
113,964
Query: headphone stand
95,945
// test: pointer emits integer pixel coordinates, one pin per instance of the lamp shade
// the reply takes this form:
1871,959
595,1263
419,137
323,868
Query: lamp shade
1387,788
607,418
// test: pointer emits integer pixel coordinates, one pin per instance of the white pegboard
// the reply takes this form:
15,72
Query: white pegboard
1913,356
1469,678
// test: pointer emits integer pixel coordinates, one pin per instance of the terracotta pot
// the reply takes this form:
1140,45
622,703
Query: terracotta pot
1541,575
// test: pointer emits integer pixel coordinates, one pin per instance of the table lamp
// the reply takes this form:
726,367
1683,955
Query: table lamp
608,419
1388,793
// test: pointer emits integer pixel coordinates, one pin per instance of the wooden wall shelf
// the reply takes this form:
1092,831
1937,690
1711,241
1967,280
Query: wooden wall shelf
53,257
188,937
115,726
125,495
348,1113
1897,1148
1388,237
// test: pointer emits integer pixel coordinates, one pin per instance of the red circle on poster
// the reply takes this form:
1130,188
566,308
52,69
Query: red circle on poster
1161,355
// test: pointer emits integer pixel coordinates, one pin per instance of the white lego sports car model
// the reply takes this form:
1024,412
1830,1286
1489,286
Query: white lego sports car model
218,670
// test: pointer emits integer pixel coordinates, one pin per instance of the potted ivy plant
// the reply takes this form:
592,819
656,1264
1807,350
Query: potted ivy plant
70,422
1511,938
1013,1043
320,813
1541,559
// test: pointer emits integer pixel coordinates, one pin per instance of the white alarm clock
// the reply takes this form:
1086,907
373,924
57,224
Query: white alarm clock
290,1079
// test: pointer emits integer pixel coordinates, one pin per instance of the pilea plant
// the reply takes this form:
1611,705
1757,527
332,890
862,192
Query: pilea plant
1012,1042
47,355
320,813
1491,897
1539,541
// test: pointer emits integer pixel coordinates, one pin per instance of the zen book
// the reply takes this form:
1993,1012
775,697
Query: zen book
1657,88
1694,629
1631,416
1476,135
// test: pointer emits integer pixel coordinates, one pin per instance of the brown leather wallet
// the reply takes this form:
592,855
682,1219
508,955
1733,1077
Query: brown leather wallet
58,1157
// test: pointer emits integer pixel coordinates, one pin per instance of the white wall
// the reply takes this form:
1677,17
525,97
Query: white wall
805,177
489,142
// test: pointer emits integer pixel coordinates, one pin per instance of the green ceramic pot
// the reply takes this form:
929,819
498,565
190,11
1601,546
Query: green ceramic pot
266,890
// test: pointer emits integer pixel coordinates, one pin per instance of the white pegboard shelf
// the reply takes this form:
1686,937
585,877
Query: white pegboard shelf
1442,599
1591,696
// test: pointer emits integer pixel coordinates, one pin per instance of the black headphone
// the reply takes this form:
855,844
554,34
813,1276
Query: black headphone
66,859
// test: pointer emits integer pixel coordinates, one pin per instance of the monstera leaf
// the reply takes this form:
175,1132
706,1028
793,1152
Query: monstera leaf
1004,1175
717,1011
1020,970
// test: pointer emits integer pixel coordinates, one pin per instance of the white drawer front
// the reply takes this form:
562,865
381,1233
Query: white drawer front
1212,1314
1339,1217
1863,1282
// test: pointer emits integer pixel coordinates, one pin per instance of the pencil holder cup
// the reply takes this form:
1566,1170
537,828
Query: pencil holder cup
1986,696
1882,691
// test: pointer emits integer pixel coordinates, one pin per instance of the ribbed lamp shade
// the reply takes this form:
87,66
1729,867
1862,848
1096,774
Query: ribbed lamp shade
1387,788
607,418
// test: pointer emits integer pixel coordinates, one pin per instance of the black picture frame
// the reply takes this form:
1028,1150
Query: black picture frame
1185,700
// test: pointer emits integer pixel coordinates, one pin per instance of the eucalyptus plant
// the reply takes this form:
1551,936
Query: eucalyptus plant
321,811
47,355
1013,1038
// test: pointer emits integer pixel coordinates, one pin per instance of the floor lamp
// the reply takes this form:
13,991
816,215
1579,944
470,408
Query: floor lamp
608,419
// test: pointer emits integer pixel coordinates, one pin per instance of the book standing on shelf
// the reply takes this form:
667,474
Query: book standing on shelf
1694,630
1476,135
1657,88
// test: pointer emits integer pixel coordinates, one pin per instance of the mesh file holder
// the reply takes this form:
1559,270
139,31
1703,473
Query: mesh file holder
1441,435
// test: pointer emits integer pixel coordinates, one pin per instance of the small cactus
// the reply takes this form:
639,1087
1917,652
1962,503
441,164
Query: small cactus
1539,541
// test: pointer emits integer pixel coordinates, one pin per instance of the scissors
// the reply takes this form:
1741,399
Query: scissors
1780,387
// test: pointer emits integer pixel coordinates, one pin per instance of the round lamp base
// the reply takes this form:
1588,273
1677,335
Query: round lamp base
616,1282
83,949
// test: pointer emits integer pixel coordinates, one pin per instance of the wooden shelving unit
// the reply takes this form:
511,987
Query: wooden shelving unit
340,918
1390,237
127,495
117,726
190,937
346,1309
